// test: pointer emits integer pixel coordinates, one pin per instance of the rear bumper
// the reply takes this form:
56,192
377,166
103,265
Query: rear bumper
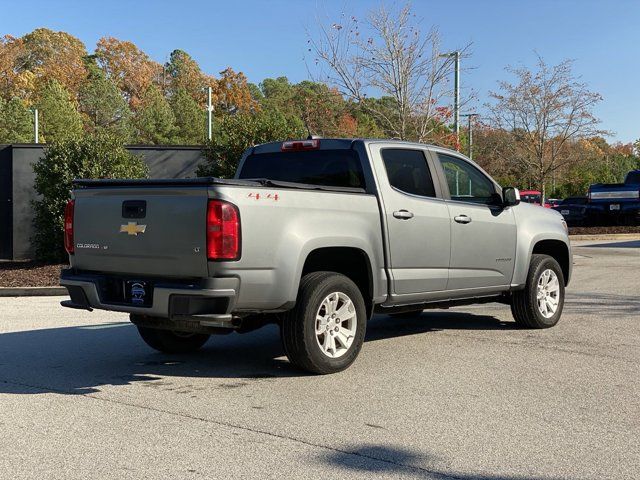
206,299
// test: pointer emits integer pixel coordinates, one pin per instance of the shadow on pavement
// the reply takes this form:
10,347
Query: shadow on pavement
77,360
379,460
626,244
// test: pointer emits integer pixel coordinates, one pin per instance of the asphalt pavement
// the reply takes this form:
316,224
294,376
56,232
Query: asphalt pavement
452,394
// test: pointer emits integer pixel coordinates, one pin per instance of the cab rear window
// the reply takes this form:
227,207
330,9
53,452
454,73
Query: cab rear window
330,168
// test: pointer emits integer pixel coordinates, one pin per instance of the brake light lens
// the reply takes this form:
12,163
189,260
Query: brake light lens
223,231
298,145
68,226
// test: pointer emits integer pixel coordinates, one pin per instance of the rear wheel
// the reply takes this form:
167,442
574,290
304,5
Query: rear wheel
169,341
540,304
325,331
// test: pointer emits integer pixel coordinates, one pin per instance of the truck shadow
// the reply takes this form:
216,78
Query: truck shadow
386,460
78,360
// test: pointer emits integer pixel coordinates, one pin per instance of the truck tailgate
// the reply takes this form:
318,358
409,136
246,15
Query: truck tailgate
143,230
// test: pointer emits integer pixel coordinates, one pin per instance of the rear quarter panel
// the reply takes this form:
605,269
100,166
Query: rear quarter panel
280,227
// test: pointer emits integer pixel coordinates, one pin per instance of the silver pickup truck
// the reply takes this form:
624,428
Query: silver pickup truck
315,235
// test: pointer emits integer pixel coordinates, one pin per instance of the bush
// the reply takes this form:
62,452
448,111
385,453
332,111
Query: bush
235,133
99,156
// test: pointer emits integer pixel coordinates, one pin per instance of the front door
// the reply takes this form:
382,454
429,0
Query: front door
483,233
417,217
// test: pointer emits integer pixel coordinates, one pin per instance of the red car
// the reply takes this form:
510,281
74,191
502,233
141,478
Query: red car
533,196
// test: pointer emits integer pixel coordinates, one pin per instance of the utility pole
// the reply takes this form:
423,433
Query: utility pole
456,94
35,125
209,115
470,116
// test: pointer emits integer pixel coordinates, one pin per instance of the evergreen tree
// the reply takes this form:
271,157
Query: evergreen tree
59,119
155,122
16,124
190,118
105,109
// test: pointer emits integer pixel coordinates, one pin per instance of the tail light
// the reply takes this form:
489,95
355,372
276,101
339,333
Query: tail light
68,226
298,145
223,231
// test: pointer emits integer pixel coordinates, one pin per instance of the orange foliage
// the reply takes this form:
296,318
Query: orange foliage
129,67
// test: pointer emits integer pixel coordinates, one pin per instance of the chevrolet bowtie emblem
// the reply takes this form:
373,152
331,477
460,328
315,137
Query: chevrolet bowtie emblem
132,228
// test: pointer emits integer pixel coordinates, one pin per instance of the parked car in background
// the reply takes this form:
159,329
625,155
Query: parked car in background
554,202
532,196
314,235
617,203
575,211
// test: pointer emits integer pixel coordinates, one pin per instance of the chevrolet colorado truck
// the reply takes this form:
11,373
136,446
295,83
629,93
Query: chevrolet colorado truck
315,235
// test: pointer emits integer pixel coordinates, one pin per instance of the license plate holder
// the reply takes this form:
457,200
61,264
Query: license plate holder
138,292
614,206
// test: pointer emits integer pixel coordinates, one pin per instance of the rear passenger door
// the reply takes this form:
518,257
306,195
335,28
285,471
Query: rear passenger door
483,233
417,219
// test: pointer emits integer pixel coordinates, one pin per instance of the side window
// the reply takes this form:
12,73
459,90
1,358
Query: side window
466,182
408,171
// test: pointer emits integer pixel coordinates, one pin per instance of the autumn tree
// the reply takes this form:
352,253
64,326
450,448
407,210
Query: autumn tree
15,81
545,110
391,55
59,118
189,118
103,105
231,92
155,121
128,67
16,122
50,55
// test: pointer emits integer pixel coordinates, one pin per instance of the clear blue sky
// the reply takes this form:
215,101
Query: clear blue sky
268,38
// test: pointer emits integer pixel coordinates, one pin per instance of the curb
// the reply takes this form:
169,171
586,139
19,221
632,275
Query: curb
32,291
605,236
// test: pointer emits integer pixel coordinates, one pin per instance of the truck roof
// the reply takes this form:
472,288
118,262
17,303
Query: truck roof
335,144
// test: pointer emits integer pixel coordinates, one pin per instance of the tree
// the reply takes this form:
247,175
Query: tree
53,55
189,118
235,133
544,111
59,118
397,60
128,67
155,122
14,80
91,156
16,124
184,74
103,105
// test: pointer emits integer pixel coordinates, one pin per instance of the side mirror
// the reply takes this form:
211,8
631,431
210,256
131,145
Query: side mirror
510,196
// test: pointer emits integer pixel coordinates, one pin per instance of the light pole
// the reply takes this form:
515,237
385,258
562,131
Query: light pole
470,116
456,94
209,115
35,125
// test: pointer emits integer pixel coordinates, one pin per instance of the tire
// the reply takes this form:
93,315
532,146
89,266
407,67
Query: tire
411,314
302,343
525,307
168,341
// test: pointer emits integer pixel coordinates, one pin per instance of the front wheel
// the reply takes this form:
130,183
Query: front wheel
169,341
325,331
540,304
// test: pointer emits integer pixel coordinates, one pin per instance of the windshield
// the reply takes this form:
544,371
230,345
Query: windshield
530,198
332,168
632,178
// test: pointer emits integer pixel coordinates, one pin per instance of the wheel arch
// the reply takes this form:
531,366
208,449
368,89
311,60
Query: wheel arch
558,250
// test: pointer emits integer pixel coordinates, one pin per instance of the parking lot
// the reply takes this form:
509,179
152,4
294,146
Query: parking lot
453,394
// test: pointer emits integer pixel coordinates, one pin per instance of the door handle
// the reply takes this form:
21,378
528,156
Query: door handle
403,214
462,219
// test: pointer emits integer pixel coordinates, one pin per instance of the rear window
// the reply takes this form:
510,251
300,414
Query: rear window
330,168
632,178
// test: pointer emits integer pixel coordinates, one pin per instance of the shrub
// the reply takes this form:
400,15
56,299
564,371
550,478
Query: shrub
99,156
235,133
